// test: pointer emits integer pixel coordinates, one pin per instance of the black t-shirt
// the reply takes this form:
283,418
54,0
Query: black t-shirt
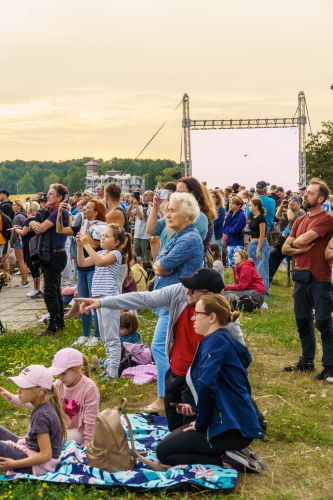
254,225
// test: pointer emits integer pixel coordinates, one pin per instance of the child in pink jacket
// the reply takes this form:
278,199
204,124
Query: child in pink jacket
78,393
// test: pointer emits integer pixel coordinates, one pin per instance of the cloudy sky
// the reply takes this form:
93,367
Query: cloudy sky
97,77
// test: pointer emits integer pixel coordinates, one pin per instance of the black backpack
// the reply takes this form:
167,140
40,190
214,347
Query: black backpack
6,225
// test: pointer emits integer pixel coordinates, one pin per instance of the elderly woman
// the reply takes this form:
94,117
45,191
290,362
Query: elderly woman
94,224
182,255
16,241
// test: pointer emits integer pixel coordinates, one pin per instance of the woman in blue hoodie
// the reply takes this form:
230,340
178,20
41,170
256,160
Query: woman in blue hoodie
225,416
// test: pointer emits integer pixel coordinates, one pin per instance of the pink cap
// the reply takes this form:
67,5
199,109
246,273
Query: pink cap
64,359
33,376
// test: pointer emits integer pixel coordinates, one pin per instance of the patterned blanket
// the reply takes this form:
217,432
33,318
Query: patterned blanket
148,431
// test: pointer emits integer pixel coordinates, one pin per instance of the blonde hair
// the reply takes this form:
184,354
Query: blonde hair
19,204
216,303
243,254
52,396
238,200
125,242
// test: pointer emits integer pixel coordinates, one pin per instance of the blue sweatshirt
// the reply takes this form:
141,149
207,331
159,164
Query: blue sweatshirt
233,227
219,384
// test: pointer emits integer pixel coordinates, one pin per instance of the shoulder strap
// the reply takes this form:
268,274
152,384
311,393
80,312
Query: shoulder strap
151,464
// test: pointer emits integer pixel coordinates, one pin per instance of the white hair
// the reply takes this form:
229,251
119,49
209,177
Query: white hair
188,205
34,206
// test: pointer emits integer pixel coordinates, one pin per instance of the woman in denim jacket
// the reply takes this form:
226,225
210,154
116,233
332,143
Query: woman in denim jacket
182,256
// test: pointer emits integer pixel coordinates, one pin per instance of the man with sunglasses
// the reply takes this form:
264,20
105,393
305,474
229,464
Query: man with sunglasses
182,341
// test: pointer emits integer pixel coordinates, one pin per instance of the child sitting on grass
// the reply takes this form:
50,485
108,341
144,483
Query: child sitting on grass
39,451
128,328
78,393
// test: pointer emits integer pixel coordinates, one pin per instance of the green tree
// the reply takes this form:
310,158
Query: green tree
50,179
319,154
26,184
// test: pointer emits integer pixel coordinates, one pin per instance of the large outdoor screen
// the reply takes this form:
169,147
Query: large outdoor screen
222,157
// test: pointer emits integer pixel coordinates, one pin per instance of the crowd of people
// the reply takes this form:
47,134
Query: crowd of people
114,253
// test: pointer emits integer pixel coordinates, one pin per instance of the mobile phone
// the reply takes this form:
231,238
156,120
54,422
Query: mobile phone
174,404
66,197
164,194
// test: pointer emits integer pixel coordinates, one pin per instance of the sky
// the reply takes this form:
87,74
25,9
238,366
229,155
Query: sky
97,78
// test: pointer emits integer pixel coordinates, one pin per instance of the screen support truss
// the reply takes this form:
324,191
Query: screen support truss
297,121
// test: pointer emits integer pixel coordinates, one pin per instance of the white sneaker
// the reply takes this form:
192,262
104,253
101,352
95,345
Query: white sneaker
34,293
93,342
22,285
81,341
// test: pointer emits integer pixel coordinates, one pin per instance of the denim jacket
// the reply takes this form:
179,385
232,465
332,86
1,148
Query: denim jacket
183,254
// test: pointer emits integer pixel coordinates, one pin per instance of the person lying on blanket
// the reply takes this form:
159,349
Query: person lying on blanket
39,451
226,420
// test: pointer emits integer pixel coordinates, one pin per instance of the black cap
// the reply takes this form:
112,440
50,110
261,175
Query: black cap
204,279
235,187
4,191
262,184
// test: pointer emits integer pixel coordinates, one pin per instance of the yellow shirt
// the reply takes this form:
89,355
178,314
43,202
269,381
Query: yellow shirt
2,239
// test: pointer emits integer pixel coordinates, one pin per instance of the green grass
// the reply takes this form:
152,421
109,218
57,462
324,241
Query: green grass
299,443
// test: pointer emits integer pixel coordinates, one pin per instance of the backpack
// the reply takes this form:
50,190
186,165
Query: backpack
247,304
6,225
109,449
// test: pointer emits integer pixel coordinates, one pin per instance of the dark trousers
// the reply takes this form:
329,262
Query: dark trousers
52,292
192,447
176,391
9,451
275,259
316,295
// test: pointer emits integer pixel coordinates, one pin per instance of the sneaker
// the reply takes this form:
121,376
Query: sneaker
300,366
243,460
50,330
31,294
44,318
325,374
93,342
22,285
38,295
330,380
81,341
107,377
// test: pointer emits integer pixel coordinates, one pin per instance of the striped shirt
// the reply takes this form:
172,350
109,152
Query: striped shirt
105,279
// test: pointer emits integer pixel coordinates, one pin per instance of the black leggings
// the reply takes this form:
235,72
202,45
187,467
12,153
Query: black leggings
192,447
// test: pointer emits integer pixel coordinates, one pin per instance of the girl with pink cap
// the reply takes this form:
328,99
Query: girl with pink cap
39,451
78,393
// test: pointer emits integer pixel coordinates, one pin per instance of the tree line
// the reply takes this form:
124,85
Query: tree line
21,176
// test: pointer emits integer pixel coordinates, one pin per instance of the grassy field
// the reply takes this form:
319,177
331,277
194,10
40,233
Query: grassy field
299,442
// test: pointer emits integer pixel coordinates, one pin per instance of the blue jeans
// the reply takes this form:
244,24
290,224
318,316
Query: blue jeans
263,264
158,350
84,282
231,251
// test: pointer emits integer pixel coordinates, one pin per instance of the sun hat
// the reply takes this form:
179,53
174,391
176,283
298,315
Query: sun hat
64,359
204,279
33,376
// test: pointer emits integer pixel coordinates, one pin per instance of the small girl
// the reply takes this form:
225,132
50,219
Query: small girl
116,246
78,393
217,259
39,451
128,328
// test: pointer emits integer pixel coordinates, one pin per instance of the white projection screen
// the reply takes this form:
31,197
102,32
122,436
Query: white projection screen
224,156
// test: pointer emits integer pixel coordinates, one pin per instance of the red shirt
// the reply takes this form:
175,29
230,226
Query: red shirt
314,260
185,343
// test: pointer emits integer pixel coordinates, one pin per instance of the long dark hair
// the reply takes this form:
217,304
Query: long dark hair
202,195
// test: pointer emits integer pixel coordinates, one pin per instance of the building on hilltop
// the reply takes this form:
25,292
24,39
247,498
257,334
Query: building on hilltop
127,182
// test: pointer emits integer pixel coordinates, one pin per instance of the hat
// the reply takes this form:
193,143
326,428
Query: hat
235,187
262,184
204,279
33,376
252,190
88,193
64,359
296,198
42,199
4,191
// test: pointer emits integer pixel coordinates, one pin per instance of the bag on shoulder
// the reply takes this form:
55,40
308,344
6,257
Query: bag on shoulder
109,449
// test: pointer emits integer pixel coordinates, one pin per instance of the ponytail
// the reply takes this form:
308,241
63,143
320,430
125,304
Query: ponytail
85,366
233,316
55,401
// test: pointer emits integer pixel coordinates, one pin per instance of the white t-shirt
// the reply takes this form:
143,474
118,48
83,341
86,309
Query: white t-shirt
105,279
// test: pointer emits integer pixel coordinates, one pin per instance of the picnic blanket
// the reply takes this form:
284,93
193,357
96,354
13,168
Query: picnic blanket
148,431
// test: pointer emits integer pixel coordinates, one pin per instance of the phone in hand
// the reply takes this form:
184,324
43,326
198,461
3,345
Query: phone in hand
174,404
164,194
